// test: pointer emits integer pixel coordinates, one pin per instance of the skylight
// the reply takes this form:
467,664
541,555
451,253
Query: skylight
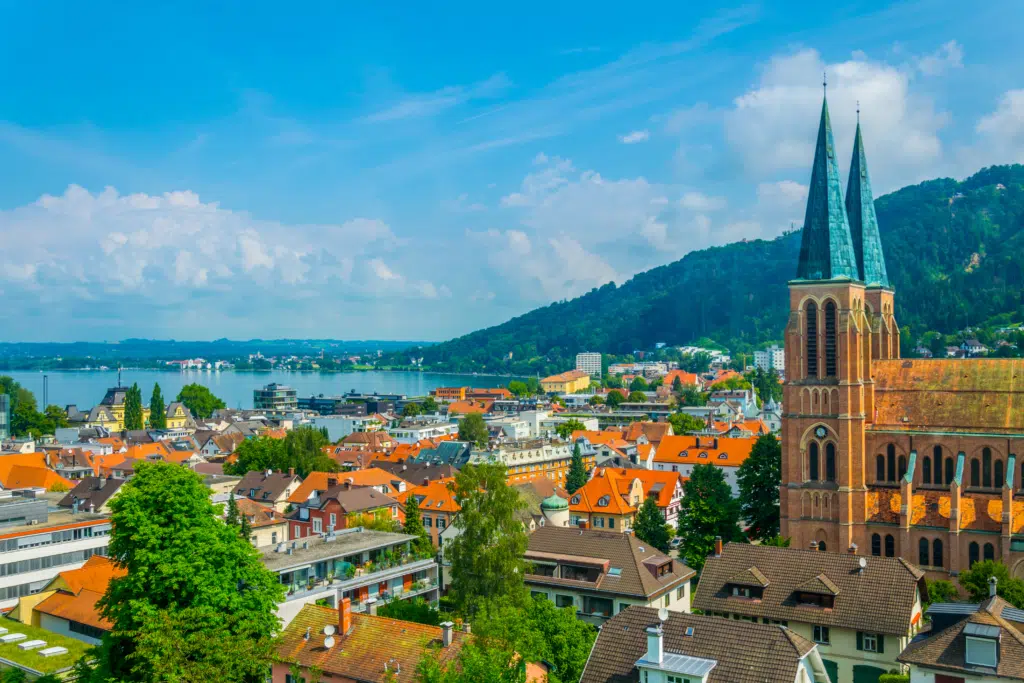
615,571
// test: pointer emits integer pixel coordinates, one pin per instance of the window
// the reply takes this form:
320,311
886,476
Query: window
821,546
428,521
273,538
890,454
830,462
937,456
880,468
831,369
298,532
334,521
680,593
668,599
441,522
252,493
821,635
937,553
812,461
598,522
870,642
564,601
317,525
86,630
812,339
989,552
997,474
948,478
876,544
922,552
890,546
902,468
975,472
926,470
972,554
986,467
981,652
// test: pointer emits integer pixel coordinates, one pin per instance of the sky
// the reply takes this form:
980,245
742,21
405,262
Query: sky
197,170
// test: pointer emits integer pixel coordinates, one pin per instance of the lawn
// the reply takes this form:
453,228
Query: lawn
31,658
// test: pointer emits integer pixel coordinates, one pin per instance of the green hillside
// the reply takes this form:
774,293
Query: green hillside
954,252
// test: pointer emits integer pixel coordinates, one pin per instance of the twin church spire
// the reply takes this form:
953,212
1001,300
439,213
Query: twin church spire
840,239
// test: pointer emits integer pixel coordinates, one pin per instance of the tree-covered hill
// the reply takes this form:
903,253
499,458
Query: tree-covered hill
954,252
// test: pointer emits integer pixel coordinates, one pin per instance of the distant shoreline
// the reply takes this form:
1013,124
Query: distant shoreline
186,371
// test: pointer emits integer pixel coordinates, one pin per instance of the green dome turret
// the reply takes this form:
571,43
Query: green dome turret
554,502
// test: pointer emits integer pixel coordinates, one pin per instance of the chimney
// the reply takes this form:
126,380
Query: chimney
718,546
697,445
291,471
654,644
446,633
715,443
992,583
345,617
332,481
852,549
426,481
103,482
348,485
814,545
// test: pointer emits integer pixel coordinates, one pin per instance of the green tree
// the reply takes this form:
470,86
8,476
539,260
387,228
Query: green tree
486,555
416,610
473,429
301,449
684,423
133,416
577,476
677,385
157,409
692,396
637,397
178,610
14,676
638,384
565,429
941,590
518,388
55,417
615,399
975,582
595,400
532,386
474,664
778,542
411,410
429,405
706,511
759,478
200,401
414,525
245,528
650,525
231,518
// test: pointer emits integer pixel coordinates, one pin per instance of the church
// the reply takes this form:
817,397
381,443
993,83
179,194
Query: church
911,458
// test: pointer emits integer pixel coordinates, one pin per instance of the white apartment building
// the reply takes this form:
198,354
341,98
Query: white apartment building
411,432
36,544
340,426
589,363
772,358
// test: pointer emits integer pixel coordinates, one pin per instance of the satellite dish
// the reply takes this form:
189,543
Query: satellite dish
329,642
863,563
663,614
329,630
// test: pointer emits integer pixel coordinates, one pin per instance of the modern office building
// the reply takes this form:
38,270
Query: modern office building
275,397
772,358
589,363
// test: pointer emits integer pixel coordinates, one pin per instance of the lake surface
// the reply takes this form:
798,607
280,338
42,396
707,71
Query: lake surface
85,388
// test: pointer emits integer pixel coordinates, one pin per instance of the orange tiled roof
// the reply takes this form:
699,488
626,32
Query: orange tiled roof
318,481
687,379
115,442
80,608
681,449
608,437
259,515
101,464
28,476
606,484
78,590
94,575
437,496
566,376
643,451
654,431
466,407
976,395
147,450
649,479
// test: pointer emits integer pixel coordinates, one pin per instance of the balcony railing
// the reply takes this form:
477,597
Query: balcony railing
377,574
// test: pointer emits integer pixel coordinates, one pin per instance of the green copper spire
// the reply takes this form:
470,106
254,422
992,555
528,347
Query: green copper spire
860,210
826,249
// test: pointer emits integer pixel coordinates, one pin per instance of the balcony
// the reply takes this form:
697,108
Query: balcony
377,573
417,588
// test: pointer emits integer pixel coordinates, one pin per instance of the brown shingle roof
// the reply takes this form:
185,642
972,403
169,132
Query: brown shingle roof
944,650
884,581
274,485
90,491
745,652
623,551
361,654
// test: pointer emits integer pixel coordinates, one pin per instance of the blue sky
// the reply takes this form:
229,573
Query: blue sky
203,170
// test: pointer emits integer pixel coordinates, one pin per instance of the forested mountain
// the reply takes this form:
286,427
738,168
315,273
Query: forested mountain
954,250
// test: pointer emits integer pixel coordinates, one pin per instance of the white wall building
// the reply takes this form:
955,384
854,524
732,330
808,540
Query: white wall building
772,358
412,432
340,426
589,363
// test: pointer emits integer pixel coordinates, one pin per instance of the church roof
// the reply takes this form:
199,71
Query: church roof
860,212
826,247
950,395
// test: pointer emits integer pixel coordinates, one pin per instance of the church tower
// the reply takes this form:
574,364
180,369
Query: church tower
828,355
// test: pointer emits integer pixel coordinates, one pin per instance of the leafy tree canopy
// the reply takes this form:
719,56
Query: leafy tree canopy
577,476
157,409
565,429
683,423
706,511
473,429
975,582
301,449
200,400
650,525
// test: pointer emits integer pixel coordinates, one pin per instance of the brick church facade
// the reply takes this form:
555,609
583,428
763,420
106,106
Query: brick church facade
881,455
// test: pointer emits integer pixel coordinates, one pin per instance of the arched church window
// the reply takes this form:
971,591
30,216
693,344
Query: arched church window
876,545
986,467
902,469
975,472
923,552
880,468
812,339
926,470
821,546
890,546
990,552
831,369
830,462
937,552
812,461
937,456
997,474
949,471
890,456
972,554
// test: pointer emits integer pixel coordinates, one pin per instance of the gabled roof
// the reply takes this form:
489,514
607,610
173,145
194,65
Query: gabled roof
888,581
944,649
259,515
91,491
269,488
28,476
743,652
826,246
751,576
654,431
355,499
416,472
78,590
724,451
362,654
467,407
566,376
437,496
860,211
603,493
321,481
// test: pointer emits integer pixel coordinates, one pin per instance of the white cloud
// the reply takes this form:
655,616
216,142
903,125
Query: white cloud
772,127
421,105
381,270
462,204
1007,121
949,56
635,137
698,201
999,135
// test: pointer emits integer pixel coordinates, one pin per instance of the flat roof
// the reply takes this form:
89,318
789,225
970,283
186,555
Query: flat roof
62,518
320,549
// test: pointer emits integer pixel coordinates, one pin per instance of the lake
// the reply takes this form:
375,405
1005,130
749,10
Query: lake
85,388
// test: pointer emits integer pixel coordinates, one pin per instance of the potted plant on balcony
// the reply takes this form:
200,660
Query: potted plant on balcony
350,571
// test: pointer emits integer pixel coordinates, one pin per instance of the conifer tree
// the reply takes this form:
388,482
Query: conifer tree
577,477
245,528
133,408
157,409
414,524
650,525
231,519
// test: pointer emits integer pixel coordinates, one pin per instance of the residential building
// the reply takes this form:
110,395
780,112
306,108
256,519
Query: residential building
178,416
345,645
67,604
371,568
568,382
875,445
92,494
686,380
547,427
37,544
269,488
510,427
450,393
319,482
331,405
637,646
220,444
589,363
276,398
342,426
489,394
613,496
418,472
413,431
268,526
969,643
534,457
454,453
601,573
681,453
860,611
772,358
370,439
341,506
437,505
110,412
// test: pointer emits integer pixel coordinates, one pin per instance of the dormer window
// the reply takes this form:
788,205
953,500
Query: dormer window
603,501
982,645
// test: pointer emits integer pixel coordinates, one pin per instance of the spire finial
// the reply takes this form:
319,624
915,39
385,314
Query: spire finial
858,112
824,82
